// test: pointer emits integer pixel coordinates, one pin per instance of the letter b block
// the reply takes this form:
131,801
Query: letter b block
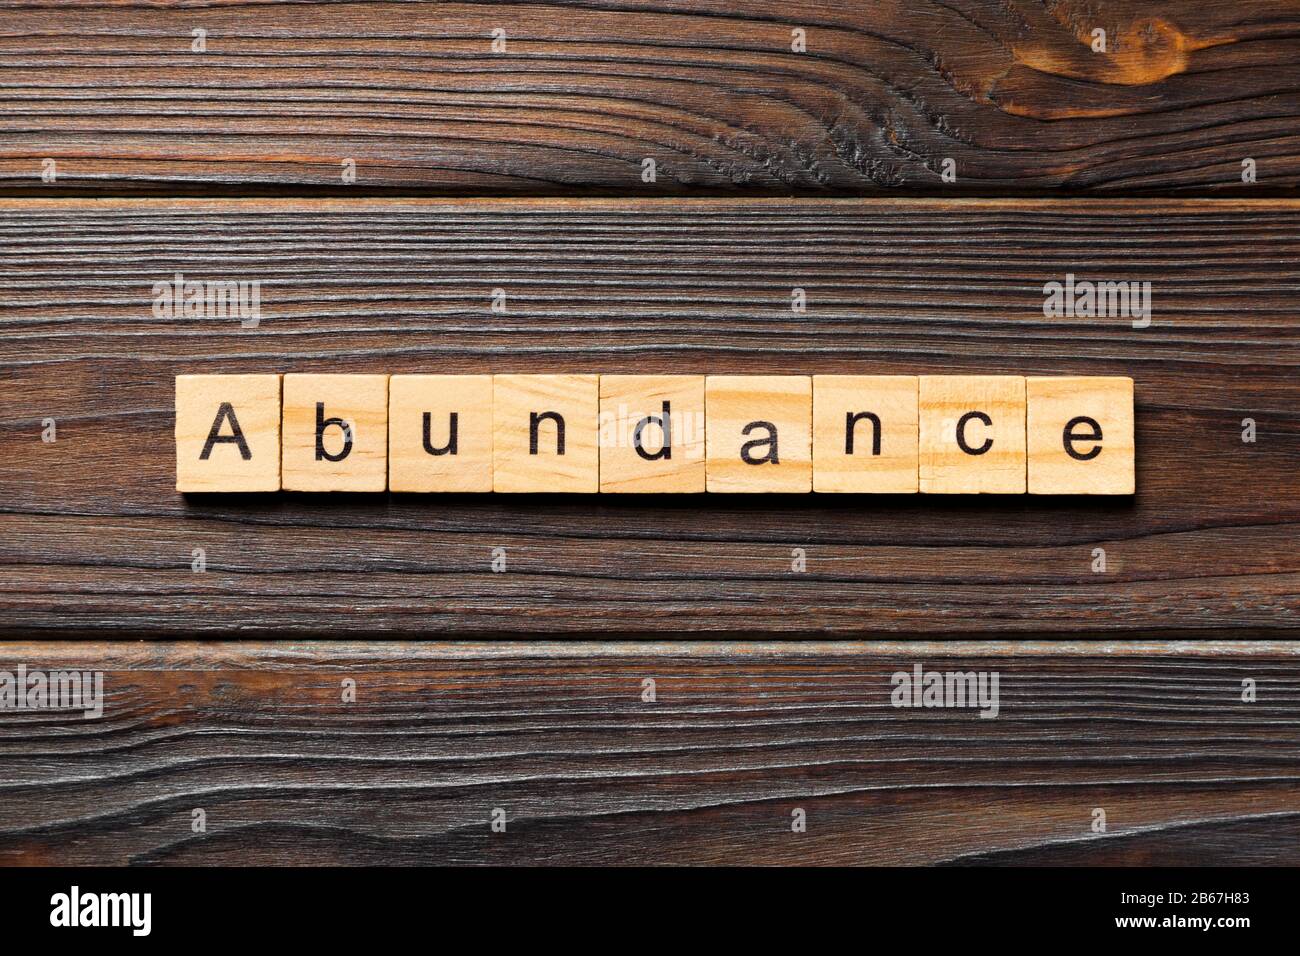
1080,436
545,433
759,433
227,433
972,437
335,433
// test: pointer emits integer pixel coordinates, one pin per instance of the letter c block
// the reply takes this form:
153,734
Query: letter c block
972,436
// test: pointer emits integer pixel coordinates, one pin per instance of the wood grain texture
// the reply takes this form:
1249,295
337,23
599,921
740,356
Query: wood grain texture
585,92
93,536
739,736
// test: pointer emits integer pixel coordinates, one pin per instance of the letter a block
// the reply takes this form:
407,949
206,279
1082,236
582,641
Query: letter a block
227,433
972,434
652,433
1080,436
865,433
440,433
545,433
335,433
759,433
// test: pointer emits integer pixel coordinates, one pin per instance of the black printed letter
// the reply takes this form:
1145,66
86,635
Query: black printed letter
323,423
961,433
216,438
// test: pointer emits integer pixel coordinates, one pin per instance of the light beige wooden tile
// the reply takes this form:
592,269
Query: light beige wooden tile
865,434
440,433
633,412
227,433
993,461
1080,435
758,433
528,412
350,413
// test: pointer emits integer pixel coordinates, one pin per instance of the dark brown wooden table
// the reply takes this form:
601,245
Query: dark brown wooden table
524,170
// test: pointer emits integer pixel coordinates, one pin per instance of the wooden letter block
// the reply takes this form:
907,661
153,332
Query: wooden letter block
545,433
440,433
335,432
865,434
972,434
636,413
759,433
227,433
1080,436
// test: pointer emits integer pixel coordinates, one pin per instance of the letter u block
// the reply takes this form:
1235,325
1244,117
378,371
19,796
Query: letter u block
227,433
545,433
335,433
440,433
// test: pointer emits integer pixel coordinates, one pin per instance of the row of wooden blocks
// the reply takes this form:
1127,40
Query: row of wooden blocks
944,434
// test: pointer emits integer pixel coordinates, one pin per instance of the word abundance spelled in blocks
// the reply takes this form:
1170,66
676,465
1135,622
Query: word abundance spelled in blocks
972,434
1080,436
759,433
545,433
335,433
865,433
227,433
652,433
676,434
440,433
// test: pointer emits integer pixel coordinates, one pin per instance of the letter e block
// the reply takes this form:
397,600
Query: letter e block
637,413
972,436
759,433
335,433
440,433
1080,436
545,433
227,433
865,434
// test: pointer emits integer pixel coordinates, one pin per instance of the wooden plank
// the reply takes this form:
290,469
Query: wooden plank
93,535
1008,97
738,737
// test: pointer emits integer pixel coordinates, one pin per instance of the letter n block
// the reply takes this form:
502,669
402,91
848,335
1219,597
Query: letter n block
972,436
759,433
227,433
440,433
1080,436
545,433
335,433
652,433
865,434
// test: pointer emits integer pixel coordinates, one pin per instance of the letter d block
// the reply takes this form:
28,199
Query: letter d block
972,434
227,433
335,433
759,433
545,433
1080,436
652,433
